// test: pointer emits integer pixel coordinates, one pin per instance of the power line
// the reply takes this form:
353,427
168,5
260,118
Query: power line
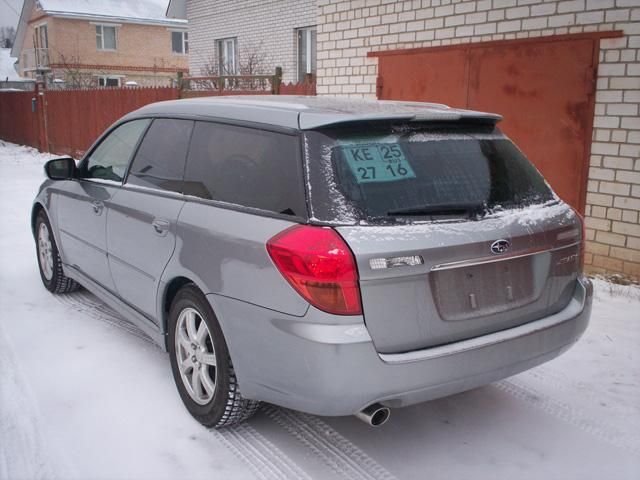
11,7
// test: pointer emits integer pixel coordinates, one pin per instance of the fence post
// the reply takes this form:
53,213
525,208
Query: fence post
276,81
180,83
41,121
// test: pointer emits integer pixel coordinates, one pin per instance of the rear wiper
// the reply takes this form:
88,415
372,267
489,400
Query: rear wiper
439,209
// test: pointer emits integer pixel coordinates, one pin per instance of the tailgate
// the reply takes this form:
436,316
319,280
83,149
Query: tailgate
463,289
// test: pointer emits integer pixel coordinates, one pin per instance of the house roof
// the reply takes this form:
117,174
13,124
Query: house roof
139,11
148,12
310,112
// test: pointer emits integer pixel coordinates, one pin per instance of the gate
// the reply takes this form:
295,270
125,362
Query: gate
543,87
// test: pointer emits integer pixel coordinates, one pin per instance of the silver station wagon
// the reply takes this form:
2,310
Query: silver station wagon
332,256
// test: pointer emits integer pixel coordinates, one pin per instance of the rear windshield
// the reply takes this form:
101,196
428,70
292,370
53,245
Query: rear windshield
401,173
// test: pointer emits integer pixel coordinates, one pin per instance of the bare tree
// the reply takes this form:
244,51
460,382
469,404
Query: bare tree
74,76
7,36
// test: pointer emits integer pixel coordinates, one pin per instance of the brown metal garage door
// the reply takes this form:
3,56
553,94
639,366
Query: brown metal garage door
544,88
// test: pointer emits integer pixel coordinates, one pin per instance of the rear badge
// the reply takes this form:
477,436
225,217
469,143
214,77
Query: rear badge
500,246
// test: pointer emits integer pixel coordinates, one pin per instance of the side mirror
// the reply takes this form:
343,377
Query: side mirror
60,168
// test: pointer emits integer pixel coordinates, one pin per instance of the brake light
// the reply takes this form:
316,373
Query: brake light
583,235
319,265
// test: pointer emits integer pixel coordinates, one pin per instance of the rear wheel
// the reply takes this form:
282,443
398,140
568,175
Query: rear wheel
49,261
201,365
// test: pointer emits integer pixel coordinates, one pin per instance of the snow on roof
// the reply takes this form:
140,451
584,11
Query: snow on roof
7,68
145,10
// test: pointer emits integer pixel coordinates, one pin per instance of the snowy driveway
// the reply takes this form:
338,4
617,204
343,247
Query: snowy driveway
85,395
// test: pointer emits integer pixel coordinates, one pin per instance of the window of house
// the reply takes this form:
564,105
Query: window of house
227,56
159,162
105,37
306,51
180,42
42,37
107,81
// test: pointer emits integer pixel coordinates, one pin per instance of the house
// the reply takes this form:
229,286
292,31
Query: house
103,43
565,74
228,37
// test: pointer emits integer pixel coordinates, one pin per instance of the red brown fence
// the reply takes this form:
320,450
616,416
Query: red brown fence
18,123
302,88
67,122
75,118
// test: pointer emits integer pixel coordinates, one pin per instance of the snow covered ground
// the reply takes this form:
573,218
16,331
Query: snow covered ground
84,395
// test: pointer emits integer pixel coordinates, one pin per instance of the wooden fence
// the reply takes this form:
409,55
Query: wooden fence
75,118
18,118
67,122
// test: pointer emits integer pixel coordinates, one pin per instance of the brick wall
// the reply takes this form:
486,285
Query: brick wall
265,28
140,50
347,30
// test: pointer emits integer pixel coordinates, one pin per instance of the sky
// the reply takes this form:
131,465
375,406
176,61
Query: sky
9,12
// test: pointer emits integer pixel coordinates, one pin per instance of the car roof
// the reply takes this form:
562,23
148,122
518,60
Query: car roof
306,113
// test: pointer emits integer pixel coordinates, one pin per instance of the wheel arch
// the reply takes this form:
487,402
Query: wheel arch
35,210
171,289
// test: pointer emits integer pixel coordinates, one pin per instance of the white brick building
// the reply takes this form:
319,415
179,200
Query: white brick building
349,30
267,31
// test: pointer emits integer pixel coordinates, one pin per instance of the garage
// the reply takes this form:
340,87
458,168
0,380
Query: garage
544,88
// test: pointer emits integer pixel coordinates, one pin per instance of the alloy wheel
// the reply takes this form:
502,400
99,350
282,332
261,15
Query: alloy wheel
196,356
45,251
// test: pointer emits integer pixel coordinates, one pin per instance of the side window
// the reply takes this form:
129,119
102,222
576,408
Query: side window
159,162
247,167
110,159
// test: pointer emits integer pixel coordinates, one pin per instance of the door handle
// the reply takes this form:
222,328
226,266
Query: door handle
97,207
161,227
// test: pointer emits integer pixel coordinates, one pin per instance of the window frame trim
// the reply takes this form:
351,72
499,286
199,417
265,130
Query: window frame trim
221,45
101,35
184,43
307,32
293,132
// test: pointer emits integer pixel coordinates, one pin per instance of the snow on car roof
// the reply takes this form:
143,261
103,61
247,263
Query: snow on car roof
310,112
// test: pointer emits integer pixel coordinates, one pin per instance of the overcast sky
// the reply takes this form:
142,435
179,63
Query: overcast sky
8,15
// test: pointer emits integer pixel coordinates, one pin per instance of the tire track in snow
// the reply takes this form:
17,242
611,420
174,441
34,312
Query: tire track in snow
571,415
23,450
561,381
264,459
338,453
85,302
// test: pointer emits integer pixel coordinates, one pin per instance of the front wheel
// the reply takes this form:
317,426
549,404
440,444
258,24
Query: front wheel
201,365
49,261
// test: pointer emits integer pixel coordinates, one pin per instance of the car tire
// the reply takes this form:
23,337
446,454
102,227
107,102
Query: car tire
49,262
214,399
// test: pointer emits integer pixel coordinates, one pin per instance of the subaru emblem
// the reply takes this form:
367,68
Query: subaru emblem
500,246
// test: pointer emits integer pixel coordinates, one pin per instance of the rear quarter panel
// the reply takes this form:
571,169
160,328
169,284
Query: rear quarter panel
224,252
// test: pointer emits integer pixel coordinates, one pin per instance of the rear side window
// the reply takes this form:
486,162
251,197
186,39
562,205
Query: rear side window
388,173
159,162
247,167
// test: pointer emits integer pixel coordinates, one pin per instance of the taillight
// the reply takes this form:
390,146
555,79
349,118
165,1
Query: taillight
318,264
583,236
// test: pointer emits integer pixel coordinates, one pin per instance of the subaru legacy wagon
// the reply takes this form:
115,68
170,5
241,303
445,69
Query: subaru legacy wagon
331,256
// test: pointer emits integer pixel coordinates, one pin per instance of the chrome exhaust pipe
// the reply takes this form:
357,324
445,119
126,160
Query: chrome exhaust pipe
374,415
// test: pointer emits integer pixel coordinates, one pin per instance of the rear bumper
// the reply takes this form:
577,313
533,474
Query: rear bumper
311,365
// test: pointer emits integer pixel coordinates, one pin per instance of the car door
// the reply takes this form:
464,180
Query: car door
141,227
83,206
